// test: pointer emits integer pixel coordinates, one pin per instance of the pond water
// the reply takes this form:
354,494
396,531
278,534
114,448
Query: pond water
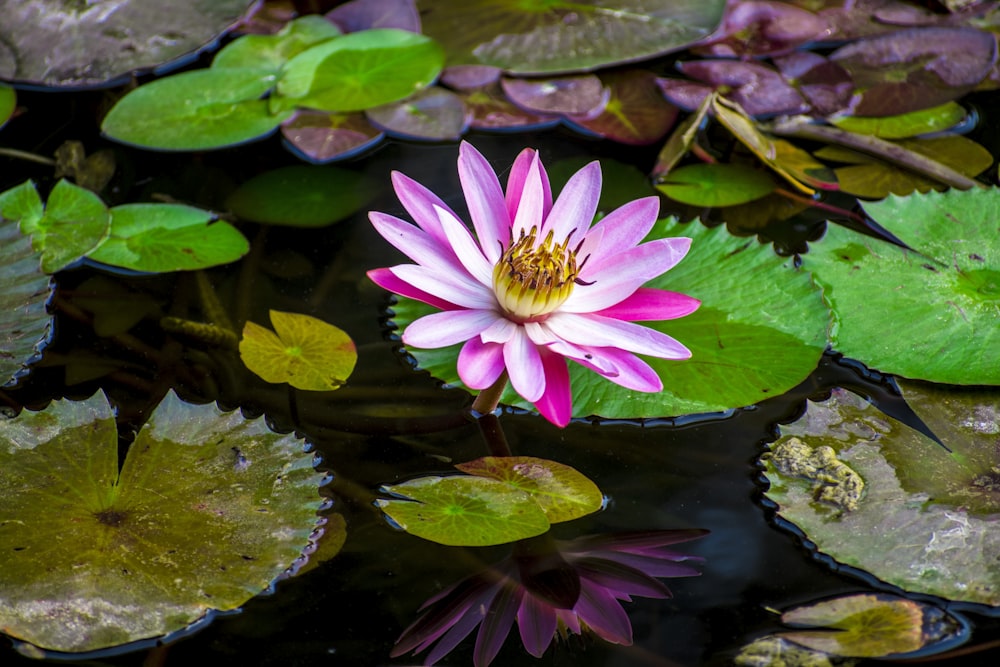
392,423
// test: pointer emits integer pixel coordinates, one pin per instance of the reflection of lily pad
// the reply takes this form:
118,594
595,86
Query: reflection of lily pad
300,196
944,301
926,520
207,511
24,289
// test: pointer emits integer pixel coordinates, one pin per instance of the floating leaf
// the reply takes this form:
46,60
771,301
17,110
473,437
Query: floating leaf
359,71
758,89
325,137
196,110
75,222
871,625
925,121
755,28
8,103
303,351
715,184
519,37
433,113
461,510
752,338
680,141
367,14
22,203
636,112
300,196
491,110
576,95
57,43
926,519
24,290
562,492
273,51
939,301
207,511
159,238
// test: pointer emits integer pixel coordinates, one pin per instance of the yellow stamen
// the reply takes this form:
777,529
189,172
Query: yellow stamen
534,278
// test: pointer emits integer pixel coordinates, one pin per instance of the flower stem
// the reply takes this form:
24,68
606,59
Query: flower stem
496,440
488,399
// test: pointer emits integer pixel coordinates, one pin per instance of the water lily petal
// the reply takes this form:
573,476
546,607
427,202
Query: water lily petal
480,364
576,205
543,337
536,621
473,615
598,331
419,202
500,331
531,207
556,402
415,243
447,328
602,613
466,248
387,280
647,303
497,624
485,199
623,228
518,177
524,364
631,372
467,293
621,580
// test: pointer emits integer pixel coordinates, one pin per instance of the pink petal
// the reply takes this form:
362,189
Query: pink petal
531,206
447,328
543,337
485,200
623,228
597,331
672,250
556,402
496,625
576,205
652,304
617,280
466,248
500,331
524,364
631,372
456,288
415,243
519,176
599,609
419,202
536,622
480,364
385,279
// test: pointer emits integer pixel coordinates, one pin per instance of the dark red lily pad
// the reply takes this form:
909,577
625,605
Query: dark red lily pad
760,90
826,85
868,18
325,137
368,14
470,77
636,113
762,28
491,110
433,113
571,95
917,68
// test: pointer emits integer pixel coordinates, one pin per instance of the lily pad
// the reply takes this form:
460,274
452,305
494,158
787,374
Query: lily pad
636,112
273,51
432,114
75,221
715,184
300,196
491,110
519,36
752,338
320,138
462,510
303,351
576,95
58,43
159,238
926,519
562,492
207,511
946,297
8,104
367,14
925,121
24,290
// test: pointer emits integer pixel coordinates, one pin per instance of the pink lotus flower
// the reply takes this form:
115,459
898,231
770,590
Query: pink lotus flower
541,285
551,586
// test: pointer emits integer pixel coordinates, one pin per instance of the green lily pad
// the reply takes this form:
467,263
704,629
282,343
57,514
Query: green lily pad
8,103
359,71
301,196
207,511
871,625
22,204
925,121
273,51
752,338
947,297
715,184
519,36
159,238
925,518
24,289
462,510
75,221
196,110
303,351
562,492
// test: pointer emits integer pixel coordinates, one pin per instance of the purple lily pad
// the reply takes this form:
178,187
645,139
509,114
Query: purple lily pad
759,28
325,137
826,85
917,68
636,114
367,14
432,113
571,95
491,110
869,18
470,77
758,89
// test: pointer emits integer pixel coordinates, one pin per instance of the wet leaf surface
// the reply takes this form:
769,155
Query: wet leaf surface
24,290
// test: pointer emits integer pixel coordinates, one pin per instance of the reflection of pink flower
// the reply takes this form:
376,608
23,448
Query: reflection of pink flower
548,586
540,285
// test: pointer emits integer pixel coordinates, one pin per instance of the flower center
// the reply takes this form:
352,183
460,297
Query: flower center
534,278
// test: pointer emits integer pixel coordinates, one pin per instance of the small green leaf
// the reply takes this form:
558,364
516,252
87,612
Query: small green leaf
8,103
22,204
159,238
75,222
196,110
301,196
716,184
464,511
925,121
562,492
303,351
273,51
359,71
